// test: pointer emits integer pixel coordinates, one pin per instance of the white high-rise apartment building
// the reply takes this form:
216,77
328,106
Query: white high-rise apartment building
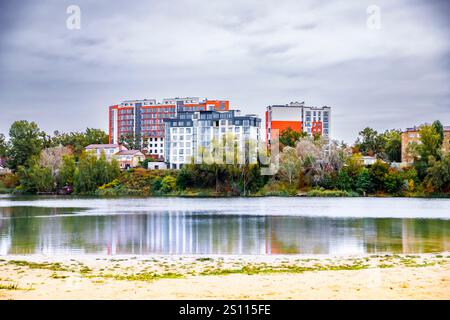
194,133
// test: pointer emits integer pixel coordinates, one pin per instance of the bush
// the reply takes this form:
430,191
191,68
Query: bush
168,184
278,188
9,180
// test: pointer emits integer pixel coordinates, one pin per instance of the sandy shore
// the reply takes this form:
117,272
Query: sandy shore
424,276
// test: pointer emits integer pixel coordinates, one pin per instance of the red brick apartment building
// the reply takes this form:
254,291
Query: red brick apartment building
144,119
412,135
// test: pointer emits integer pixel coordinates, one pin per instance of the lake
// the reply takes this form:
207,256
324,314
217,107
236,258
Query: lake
270,225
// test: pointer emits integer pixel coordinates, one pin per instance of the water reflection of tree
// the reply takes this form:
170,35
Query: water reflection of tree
184,232
357,235
407,235
22,228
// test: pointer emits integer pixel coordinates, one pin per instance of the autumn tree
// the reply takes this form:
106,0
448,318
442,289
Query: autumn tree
289,165
52,158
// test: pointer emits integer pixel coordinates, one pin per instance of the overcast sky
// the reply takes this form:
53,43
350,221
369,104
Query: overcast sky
254,53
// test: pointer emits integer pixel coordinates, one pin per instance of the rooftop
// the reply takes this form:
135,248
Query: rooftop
128,152
102,146
417,128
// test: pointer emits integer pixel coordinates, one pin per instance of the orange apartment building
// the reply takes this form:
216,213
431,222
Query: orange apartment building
297,116
144,119
412,135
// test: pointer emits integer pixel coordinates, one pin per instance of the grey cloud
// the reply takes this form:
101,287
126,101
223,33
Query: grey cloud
253,53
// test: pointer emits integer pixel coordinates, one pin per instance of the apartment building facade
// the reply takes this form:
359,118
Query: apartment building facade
298,117
144,119
412,135
192,134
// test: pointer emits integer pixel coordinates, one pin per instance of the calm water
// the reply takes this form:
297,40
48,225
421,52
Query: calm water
58,225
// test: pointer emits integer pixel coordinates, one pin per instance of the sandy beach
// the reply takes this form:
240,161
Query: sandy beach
423,276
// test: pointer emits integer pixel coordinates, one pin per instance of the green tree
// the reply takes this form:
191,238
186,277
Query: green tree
25,142
363,182
67,171
184,177
393,182
289,137
79,140
85,174
439,128
130,141
353,165
328,181
393,145
377,173
344,181
429,146
438,174
95,136
3,145
430,143
156,184
369,142
92,172
35,179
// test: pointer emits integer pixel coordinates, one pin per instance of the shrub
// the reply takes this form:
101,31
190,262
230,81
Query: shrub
168,184
9,180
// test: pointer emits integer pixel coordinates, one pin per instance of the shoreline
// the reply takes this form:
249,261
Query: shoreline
442,196
373,276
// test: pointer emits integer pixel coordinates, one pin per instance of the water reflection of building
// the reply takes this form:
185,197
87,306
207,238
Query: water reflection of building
52,231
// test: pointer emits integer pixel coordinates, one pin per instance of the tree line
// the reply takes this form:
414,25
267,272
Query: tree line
310,165
313,163
41,163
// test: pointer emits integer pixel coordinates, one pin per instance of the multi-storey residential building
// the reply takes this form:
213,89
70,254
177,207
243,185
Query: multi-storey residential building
193,133
298,117
412,135
144,119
